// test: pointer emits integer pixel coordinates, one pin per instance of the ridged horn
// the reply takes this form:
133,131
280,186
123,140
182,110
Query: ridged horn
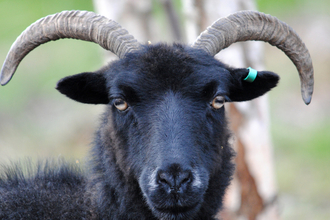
81,25
250,25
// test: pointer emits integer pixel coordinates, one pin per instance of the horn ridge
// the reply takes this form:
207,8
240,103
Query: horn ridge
81,25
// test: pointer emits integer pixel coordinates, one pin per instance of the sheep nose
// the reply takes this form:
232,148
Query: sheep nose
174,181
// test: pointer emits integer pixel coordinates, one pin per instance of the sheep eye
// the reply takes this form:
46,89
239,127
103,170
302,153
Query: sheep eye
218,102
120,104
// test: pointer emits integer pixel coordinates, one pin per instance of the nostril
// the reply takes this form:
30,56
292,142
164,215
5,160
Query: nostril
184,178
175,181
165,179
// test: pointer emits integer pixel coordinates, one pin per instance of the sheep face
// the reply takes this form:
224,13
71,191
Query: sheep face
165,125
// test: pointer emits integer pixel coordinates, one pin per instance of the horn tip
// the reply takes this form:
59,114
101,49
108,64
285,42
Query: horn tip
5,77
307,100
307,96
307,88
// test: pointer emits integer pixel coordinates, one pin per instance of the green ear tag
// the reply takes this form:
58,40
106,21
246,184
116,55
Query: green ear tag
252,75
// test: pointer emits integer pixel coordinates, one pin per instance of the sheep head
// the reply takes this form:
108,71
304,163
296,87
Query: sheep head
166,122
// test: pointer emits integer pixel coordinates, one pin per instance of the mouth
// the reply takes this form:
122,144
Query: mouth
178,210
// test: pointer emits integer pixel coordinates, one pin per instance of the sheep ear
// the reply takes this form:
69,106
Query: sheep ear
244,88
87,88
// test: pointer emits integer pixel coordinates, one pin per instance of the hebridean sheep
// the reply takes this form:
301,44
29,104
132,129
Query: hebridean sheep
161,151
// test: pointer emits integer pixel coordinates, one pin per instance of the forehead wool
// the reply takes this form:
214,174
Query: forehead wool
159,68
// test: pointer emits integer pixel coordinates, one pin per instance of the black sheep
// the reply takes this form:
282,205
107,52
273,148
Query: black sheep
161,151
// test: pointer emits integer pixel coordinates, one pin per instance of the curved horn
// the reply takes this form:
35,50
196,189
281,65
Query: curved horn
250,25
80,25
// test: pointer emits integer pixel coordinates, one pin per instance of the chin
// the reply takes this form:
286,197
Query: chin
177,212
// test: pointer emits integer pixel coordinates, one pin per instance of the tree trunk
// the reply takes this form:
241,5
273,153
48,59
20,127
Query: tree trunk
252,194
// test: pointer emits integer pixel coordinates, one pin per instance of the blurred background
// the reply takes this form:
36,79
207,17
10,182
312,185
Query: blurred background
37,122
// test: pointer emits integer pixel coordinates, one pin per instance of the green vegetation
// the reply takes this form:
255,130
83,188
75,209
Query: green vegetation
32,112
289,8
302,161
